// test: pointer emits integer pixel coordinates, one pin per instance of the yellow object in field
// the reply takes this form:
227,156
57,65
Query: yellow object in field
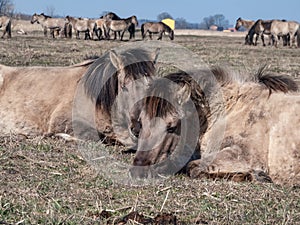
169,22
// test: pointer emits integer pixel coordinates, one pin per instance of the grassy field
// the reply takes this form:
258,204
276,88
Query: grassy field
47,181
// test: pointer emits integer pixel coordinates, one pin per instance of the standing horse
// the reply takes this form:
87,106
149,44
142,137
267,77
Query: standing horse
282,28
259,28
48,98
82,25
5,22
245,23
121,25
250,133
156,28
53,24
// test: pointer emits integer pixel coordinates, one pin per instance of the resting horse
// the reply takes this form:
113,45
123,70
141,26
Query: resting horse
5,22
156,28
53,24
250,133
45,100
121,25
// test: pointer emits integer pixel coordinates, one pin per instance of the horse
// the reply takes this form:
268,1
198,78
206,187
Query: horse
249,133
245,23
259,28
47,100
5,22
282,28
156,28
53,24
122,25
99,28
81,25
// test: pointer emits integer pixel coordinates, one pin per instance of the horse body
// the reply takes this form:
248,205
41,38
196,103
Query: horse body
5,22
281,28
260,140
53,24
156,28
82,25
38,100
121,25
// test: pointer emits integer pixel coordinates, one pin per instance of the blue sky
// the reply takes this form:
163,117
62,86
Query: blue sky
191,10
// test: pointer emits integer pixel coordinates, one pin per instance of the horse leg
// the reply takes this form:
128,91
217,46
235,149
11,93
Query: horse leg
122,35
77,34
160,36
150,35
275,41
263,39
228,164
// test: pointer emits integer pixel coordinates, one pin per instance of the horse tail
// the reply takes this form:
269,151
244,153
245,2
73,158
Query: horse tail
8,28
298,37
276,82
143,31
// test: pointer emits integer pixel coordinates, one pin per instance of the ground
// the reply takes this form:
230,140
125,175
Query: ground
47,181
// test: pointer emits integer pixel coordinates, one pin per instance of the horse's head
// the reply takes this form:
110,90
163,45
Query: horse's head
34,18
164,140
115,82
238,23
134,20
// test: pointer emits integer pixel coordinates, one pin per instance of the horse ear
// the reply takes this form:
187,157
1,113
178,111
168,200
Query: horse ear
116,60
154,55
184,94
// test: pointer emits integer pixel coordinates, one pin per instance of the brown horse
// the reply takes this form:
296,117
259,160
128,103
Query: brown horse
251,132
5,22
282,28
156,28
122,25
45,100
53,24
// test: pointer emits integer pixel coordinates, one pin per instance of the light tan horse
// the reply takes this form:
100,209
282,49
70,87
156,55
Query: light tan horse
250,133
121,25
44,100
53,24
281,28
156,28
5,24
82,25
245,23
99,28
259,28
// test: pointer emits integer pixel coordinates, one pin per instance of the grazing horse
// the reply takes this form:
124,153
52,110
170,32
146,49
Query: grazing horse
156,28
53,24
47,99
259,28
282,28
250,133
82,25
5,22
121,25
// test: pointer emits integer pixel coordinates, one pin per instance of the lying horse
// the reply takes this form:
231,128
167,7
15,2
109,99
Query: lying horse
45,100
121,25
282,28
250,133
53,24
5,22
156,28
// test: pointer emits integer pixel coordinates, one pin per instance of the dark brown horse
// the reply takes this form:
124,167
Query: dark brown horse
156,28
250,133
5,23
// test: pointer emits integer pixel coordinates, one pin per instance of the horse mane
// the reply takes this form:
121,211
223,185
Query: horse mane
46,16
270,81
101,79
157,104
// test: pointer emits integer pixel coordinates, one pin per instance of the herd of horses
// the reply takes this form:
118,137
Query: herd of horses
179,124
99,28
274,29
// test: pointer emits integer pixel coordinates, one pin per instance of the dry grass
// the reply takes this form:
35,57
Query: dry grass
46,180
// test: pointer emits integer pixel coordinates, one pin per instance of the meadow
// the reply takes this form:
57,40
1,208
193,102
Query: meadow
46,180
